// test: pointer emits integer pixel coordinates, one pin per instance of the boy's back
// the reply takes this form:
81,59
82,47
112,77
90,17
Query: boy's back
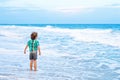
33,44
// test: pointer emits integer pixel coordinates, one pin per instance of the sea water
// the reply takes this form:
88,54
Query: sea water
69,52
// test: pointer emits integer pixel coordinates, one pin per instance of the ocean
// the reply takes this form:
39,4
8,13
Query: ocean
69,52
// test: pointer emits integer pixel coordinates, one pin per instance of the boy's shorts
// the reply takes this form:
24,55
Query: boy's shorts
33,55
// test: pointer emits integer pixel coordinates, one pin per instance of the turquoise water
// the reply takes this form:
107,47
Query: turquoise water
69,52
70,26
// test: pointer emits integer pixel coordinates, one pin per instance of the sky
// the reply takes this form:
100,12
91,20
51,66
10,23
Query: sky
59,11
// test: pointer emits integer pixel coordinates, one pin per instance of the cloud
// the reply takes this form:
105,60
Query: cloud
20,4
60,6
113,5
53,5
47,4
69,10
74,10
116,5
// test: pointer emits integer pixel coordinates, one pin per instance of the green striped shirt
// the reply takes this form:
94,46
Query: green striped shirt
33,45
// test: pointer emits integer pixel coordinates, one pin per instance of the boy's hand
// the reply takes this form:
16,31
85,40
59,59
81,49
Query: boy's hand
39,50
24,52
39,53
25,49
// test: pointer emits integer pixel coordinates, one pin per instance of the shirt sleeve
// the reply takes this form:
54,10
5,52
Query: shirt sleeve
38,43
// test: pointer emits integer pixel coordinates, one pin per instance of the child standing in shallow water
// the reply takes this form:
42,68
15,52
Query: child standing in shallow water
33,45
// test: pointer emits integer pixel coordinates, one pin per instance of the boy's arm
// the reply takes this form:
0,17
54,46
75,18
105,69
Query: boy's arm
39,50
25,49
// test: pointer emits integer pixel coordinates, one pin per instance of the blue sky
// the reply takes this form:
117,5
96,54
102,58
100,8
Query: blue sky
59,11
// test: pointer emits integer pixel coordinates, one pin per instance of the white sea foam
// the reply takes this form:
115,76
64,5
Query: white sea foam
10,34
104,37
117,71
8,51
86,35
90,35
62,51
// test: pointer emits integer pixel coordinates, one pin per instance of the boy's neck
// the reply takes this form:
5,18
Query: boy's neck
33,40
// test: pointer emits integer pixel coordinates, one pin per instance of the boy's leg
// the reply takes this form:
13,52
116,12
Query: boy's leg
31,63
35,65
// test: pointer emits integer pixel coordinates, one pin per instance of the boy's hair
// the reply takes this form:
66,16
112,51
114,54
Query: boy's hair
34,35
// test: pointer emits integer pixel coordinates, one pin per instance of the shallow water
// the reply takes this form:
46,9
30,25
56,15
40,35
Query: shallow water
66,54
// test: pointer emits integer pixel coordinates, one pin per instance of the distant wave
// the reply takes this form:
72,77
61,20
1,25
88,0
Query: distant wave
69,26
10,34
103,36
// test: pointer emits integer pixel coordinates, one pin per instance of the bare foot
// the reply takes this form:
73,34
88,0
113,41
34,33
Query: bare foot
30,69
35,70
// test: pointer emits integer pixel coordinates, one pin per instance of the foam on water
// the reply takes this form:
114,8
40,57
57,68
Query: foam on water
104,37
9,34
90,35
67,54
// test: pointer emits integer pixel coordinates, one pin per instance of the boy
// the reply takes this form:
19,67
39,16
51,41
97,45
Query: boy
33,45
